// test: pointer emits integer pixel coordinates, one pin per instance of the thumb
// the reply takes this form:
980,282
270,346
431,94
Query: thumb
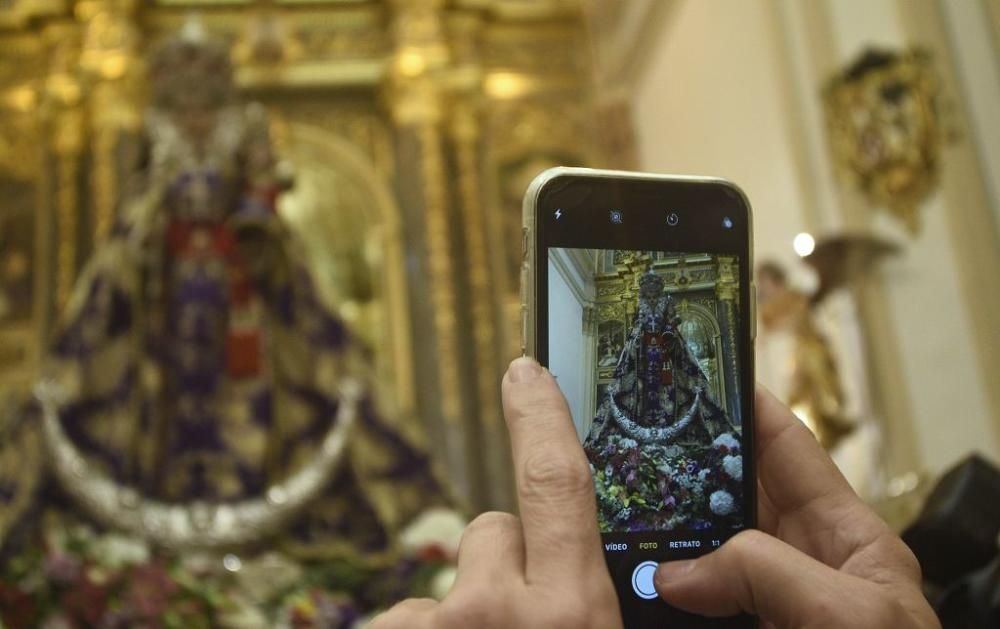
757,574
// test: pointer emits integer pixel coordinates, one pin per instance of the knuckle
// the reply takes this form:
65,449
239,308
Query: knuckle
744,544
546,474
491,521
885,608
394,618
888,612
476,605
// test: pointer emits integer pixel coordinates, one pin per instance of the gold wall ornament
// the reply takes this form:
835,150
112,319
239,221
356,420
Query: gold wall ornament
343,213
109,61
197,525
884,120
64,118
266,38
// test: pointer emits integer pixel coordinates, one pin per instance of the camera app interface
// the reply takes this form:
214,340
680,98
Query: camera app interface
644,345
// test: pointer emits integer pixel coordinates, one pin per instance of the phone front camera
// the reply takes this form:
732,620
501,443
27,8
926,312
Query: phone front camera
673,219
616,217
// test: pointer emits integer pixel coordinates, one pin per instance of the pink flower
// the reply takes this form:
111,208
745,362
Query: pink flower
149,590
62,568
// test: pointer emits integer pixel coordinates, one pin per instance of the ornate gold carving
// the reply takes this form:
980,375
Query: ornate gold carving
727,286
883,115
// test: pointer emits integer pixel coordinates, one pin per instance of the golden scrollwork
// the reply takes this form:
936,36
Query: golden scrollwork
884,120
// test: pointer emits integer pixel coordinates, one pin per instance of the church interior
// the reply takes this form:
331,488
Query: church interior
260,275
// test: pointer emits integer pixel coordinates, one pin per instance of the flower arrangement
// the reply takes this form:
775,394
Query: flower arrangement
657,487
82,577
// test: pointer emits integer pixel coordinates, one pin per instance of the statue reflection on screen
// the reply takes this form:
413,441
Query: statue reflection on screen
199,384
664,454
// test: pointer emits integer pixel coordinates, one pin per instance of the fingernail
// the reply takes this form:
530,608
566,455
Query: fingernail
667,573
524,369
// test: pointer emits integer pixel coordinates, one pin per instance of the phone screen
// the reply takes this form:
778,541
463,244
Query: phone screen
643,316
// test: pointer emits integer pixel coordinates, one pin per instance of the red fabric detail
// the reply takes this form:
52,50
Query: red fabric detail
240,287
186,238
666,375
243,354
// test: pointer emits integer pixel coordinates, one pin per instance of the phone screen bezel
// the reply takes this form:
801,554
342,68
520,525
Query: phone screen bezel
701,205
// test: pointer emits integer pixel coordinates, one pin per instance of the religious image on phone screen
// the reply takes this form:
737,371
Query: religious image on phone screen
644,346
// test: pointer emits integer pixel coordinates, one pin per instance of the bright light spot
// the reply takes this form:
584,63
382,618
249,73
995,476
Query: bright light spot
804,244
506,84
411,62
232,563
802,412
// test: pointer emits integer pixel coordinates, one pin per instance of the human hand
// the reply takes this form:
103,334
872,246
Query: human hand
821,559
547,568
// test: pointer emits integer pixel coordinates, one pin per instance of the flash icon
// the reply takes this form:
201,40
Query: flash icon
558,213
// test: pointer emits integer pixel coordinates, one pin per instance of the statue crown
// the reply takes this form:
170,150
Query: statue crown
650,283
191,69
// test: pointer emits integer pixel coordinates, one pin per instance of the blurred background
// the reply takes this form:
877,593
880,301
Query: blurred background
388,161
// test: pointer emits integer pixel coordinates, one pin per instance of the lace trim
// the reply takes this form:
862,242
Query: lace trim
196,525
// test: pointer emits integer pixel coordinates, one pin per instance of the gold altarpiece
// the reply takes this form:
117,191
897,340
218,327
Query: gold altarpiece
411,128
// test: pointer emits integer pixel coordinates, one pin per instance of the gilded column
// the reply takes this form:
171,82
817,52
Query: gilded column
109,60
65,124
727,292
465,131
416,101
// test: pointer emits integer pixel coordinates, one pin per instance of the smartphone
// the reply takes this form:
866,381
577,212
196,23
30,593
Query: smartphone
637,296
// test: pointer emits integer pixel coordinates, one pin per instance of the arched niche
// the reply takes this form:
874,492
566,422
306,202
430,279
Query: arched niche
343,214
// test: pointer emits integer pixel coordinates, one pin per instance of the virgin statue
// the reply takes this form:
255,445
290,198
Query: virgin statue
206,448
664,453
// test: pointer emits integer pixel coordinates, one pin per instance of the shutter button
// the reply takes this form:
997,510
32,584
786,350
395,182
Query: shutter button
642,580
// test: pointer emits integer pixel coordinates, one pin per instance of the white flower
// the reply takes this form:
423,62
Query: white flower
685,480
626,443
434,527
264,576
721,502
442,582
243,616
703,475
726,440
665,469
57,621
733,466
117,551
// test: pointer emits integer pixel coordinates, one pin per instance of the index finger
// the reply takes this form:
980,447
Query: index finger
554,486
